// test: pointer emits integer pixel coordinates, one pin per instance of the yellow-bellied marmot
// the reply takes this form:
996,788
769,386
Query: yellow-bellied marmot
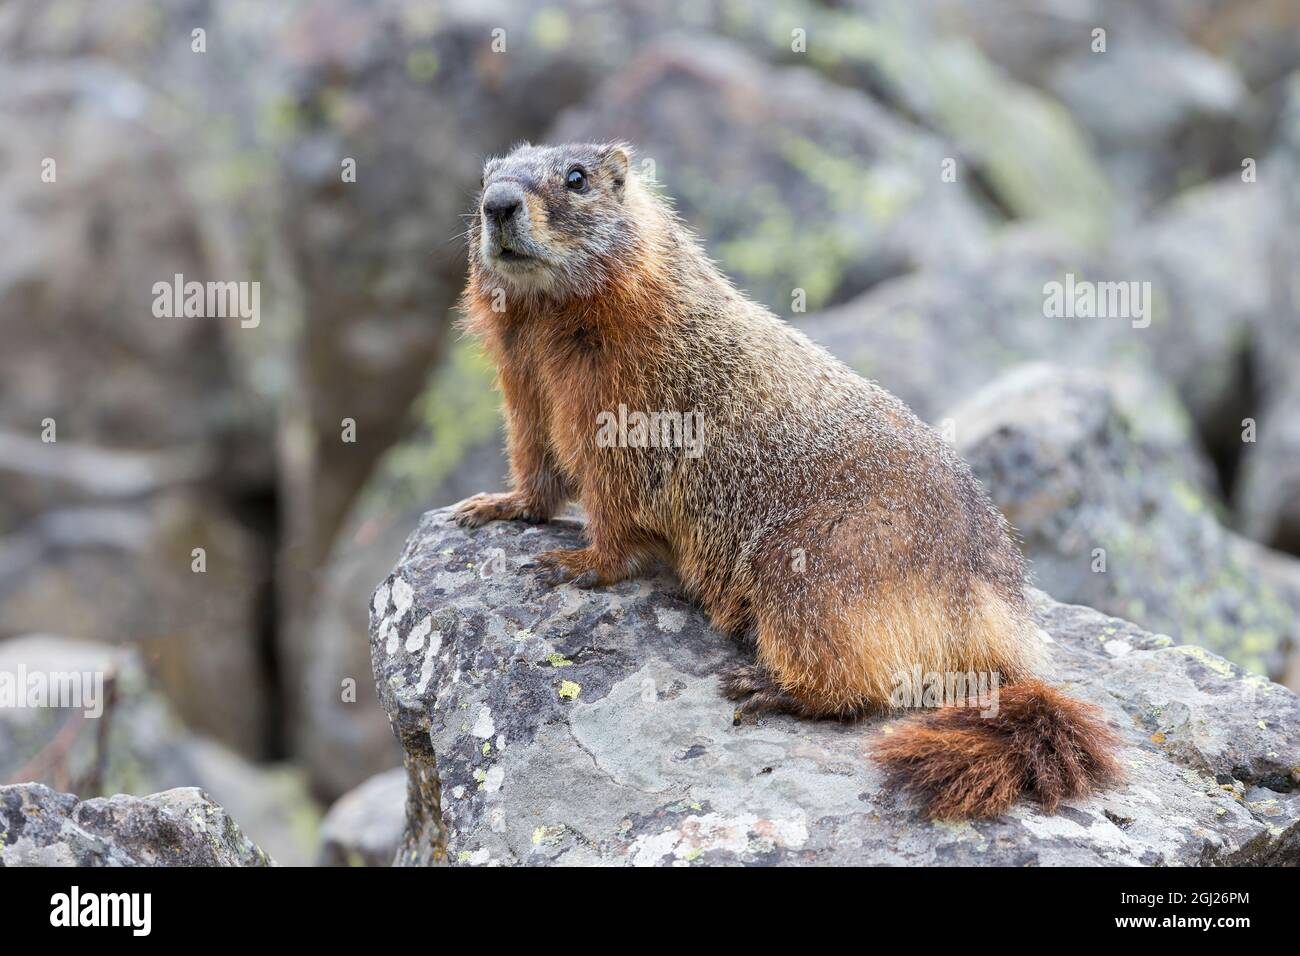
815,516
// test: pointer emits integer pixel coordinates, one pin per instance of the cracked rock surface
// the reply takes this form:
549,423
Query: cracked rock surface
181,827
560,726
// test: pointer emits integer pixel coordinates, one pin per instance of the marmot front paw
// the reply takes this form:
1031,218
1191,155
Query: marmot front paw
498,506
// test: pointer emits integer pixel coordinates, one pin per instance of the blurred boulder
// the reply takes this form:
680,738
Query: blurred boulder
124,573
122,434
1195,77
181,827
1182,108
454,451
792,182
364,827
1267,495
95,196
936,336
557,726
1013,144
1113,521
1207,255
1260,38
1204,265
136,743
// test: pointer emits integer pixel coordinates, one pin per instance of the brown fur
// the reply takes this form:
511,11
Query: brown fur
1041,744
823,520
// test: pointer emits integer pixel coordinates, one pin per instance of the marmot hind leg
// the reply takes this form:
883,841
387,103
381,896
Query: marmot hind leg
840,631
758,692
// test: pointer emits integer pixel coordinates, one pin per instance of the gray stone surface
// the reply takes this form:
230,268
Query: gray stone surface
364,827
563,726
138,745
1113,507
182,827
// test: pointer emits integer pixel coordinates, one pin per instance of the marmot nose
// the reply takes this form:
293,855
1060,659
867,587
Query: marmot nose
501,201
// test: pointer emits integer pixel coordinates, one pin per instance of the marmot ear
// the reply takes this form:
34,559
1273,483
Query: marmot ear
615,163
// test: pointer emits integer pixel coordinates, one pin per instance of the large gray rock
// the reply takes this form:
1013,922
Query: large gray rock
1030,38
936,336
1209,254
1196,77
1011,141
364,827
123,572
183,827
1182,107
1268,492
547,726
1117,516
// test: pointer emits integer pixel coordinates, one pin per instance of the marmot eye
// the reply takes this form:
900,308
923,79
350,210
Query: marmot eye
576,179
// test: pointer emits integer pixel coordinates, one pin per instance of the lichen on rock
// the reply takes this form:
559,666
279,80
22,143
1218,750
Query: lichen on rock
645,765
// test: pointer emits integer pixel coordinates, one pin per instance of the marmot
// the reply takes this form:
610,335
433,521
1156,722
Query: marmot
819,519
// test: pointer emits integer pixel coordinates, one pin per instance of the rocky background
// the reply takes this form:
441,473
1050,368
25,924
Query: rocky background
901,179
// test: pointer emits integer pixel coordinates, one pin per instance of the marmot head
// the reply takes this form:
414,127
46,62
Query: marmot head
554,220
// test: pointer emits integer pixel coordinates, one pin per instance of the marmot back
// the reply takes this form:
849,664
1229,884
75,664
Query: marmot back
806,509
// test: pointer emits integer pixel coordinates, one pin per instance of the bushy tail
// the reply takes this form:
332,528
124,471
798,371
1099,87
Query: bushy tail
1041,744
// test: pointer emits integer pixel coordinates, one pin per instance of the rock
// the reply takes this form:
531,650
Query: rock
936,336
454,452
182,827
1030,39
576,727
1196,78
1182,110
1207,254
119,425
138,745
100,363
118,572
1117,520
364,827
847,195
1003,134
1214,327
1267,495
